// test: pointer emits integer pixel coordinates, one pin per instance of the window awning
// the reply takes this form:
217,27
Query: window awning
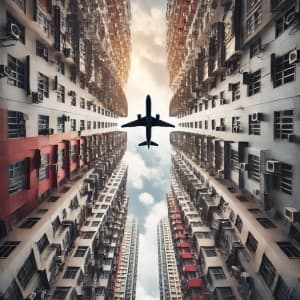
191,268
179,228
195,283
184,245
187,255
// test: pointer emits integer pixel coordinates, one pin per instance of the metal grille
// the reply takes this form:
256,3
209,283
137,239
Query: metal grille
283,123
44,168
16,179
60,93
284,71
43,85
254,20
234,160
255,84
254,126
236,93
286,178
43,122
17,77
16,124
284,22
254,167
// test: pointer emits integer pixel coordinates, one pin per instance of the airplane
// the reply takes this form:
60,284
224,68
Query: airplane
148,121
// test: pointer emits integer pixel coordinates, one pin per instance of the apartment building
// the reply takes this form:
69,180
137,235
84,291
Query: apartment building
125,283
169,282
233,68
63,66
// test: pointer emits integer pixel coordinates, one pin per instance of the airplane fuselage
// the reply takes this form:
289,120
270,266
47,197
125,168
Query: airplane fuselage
148,121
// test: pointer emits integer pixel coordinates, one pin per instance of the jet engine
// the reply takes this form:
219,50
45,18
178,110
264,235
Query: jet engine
157,117
139,116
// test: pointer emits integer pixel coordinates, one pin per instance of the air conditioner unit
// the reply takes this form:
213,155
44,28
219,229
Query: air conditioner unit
220,128
294,56
13,32
37,97
291,214
243,167
257,117
67,52
273,166
291,138
5,71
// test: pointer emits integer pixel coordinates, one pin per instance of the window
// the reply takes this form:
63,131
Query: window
202,235
213,124
43,85
27,270
281,290
286,178
13,292
234,160
7,248
88,124
60,124
43,123
60,158
235,124
82,103
267,270
225,293
254,20
284,72
254,167
44,168
251,243
87,234
289,249
12,20
80,251
95,223
88,105
94,124
82,126
60,93
210,252
29,222
61,292
60,67
255,48
41,50
255,83
16,177
253,126
73,124
255,210
266,223
17,77
15,124
43,22
206,124
217,272
239,223
236,93
42,243
55,224
283,124
72,153
287,20
71,272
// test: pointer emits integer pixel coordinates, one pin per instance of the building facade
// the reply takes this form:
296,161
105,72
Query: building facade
63,65
63,202
169,283
125,284
233,68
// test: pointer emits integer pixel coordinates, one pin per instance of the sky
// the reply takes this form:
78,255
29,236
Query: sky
148,170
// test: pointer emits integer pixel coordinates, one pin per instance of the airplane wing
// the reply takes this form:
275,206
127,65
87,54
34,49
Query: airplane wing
161,123
138,122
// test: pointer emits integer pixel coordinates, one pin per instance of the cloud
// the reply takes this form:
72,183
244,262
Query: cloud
137,170
147,282
146,198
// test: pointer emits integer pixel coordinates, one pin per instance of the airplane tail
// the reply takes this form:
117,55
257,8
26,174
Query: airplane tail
145,144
